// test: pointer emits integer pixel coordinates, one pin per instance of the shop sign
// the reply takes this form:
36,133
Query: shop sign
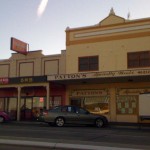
122,73
36,79
4,80
19,46
67,76
88,93
105,74
135,91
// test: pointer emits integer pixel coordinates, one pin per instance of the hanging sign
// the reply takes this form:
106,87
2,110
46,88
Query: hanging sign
19,46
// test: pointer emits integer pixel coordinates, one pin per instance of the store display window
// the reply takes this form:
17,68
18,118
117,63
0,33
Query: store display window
97,105
126,104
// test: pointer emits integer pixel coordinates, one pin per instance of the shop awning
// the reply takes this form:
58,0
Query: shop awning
139,75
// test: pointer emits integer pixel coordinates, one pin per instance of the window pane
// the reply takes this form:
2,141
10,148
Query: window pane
88,63
93,67
84,60
133,63
57,100
126,104
84,68
144,63
1,104
93,60
138,59
97,105
144,59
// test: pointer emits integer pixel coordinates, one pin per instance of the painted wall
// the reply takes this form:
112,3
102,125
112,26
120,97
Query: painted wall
111,40
33,64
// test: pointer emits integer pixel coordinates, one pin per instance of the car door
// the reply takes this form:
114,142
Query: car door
84,116
71,116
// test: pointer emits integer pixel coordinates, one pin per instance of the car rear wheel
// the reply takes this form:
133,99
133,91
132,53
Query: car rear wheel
59,122
99,123
2,119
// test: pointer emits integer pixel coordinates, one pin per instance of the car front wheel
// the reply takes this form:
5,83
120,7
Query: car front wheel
99,122
1,119
59,122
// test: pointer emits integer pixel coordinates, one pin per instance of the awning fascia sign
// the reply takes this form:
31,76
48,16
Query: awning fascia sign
105,74
28,79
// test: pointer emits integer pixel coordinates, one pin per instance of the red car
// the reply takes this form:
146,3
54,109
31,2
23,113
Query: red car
4,117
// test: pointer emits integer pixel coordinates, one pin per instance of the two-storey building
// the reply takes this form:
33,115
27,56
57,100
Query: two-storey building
108,67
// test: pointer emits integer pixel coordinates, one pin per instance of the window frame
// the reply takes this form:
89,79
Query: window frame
87,65
138,59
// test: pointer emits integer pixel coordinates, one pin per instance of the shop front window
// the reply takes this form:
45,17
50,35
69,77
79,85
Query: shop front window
97,105
1,104
31,107
12,107
126,104
55,101
39,103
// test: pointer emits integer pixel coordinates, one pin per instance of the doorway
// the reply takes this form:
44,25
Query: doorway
31,107
26,108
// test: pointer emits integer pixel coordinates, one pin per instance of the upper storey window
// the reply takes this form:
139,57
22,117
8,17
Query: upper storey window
139,59
89,63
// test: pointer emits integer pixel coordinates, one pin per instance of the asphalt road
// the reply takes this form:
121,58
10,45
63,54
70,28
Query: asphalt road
111,137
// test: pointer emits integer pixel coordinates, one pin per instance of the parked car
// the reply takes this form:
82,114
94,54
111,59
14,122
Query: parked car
4,117
61,115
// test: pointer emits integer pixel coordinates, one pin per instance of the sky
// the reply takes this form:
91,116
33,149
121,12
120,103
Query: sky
42,23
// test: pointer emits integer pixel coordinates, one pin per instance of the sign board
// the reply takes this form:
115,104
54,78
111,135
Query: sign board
18,46
30,79
84,92
105,74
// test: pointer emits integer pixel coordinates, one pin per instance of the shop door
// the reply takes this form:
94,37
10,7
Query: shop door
26,109
77,102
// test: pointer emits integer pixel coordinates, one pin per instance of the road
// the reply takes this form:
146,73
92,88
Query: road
111,137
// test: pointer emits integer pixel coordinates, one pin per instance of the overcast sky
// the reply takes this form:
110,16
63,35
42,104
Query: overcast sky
42,24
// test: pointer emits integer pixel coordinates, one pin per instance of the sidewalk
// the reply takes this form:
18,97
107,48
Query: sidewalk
65,145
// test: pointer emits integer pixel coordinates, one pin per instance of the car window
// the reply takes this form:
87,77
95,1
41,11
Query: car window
56,109
71,109
82,111
64,109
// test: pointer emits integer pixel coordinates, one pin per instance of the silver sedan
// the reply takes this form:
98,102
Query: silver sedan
69,114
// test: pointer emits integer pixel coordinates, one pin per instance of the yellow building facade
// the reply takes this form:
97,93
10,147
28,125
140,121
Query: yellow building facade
108,67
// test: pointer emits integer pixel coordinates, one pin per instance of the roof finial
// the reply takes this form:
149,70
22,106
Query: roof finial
112,11
128,16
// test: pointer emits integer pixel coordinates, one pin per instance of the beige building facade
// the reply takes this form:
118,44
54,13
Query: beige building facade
24,89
